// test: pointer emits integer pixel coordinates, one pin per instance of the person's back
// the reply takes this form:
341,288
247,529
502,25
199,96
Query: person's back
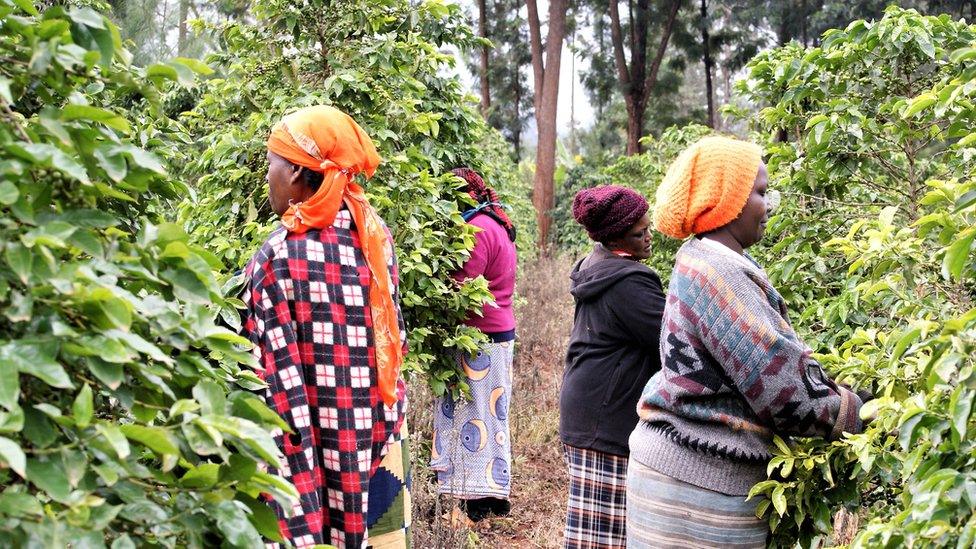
323,314
472,446
493,257
612,351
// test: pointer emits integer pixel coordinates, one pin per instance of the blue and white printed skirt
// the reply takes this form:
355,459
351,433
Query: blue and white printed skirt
472,450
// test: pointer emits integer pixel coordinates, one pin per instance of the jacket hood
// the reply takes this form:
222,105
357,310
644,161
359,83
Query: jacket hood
599,271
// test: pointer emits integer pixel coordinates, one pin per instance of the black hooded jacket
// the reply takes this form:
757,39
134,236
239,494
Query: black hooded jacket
613,350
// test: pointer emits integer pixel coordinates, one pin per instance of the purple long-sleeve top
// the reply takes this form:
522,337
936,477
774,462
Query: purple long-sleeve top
494,257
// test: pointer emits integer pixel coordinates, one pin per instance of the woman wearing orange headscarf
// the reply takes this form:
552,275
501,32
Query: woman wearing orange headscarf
323,313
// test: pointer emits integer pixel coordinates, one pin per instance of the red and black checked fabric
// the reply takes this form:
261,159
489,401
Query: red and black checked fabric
309,318
596,511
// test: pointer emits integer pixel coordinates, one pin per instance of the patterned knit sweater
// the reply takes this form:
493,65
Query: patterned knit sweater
733,373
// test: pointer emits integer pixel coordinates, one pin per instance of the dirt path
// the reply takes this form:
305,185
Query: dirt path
545,314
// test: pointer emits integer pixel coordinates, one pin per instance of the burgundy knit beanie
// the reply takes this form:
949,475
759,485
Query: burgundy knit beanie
607,211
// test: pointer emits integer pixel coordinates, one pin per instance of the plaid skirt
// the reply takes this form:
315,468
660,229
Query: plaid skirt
666,512
596,515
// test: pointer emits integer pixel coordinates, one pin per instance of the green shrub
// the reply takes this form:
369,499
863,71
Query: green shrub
380,62
874,246
125,415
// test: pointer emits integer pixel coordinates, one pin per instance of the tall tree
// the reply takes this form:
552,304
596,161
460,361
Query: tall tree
639,76
707,59
483,58
545,74
181,42
509,103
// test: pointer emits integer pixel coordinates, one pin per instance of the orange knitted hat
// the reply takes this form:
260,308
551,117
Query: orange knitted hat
707,186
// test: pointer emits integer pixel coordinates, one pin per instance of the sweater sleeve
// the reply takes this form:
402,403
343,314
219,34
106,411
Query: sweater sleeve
638,305
772,368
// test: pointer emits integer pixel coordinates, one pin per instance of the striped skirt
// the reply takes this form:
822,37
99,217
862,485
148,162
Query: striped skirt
596,514
666,512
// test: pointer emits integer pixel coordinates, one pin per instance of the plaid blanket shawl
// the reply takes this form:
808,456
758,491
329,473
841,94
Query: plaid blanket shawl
309,318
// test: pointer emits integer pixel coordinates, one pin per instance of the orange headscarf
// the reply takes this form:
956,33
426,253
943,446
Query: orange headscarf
327,140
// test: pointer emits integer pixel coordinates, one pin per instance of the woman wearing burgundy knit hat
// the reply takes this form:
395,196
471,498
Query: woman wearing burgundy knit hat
613,351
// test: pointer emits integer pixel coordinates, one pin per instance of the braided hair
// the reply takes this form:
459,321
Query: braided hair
486,198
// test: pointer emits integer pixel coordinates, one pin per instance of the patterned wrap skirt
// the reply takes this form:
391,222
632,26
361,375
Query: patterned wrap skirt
596,512
472,450
666,512
388,515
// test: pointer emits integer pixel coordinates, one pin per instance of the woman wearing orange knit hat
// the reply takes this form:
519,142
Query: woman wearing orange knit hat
734,373
323,314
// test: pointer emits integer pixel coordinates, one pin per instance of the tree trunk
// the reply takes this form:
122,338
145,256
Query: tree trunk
517,127
637,80
547,97
535,47
483,33
706,49
181,42
635,127
803,22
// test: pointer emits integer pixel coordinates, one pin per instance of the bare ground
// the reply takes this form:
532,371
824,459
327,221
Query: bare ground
545,313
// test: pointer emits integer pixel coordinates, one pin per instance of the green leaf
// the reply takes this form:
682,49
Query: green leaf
781,444
83,407
904,341
50,156
19,504
919,104
88,17
779,500
140,157
211,397
87,112
160,70
157,439
123,542
49,476
27,6
958,254
239,469
195,65
262,517
250,407
967,141
234,525
36,359
113,164
202,476
109,373
9,193
38,428
249,437
115,438
12,455
19,258
963,54
9,386
961,406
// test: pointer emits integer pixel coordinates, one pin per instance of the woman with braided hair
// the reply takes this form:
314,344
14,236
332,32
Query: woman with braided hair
471,451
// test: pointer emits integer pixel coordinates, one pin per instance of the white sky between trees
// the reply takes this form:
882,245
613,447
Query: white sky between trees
572,96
